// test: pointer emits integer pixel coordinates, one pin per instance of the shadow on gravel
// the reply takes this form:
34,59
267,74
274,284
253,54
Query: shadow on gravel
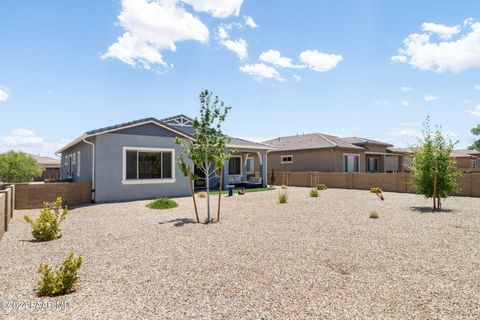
429,210
179,222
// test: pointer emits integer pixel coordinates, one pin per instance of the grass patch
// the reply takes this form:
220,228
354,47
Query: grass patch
162,203
246,190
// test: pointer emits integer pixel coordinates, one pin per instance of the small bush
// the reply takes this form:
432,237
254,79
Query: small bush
202,194
282,198
321,186
373,215
162,203
47,226
378,192
314,193
60,282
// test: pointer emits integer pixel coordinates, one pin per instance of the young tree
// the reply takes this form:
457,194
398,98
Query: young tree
207,151
476,132
18,167
434,172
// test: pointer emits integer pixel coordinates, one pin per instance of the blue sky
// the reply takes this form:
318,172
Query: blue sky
363,68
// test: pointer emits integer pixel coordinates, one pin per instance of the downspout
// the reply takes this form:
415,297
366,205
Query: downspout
93,167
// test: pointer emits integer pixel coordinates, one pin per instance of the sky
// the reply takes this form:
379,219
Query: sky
367,68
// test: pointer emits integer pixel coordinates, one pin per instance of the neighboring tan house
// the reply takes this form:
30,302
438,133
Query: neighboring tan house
138,160
51,168
465,159
327,153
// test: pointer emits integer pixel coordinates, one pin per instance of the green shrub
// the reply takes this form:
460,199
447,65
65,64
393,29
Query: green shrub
282,198
321,186
47,226
162,203
373,215
378,192
62,280
314,193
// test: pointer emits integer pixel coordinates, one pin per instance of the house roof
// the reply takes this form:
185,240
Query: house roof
361,141
320,141
465,154
181,127
46,162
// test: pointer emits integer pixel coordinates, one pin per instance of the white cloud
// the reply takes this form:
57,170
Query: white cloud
319,61
26,140
260,71
217,8
222,33
421,52
406,88
429,97
443,31
476,111
274,57
477,87
399,58
297,78
405,103
406,132
249,22
466,101
381,102
151,27
3,94
410,124
238,46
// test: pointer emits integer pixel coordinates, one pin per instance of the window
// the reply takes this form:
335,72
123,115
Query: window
78,164
235,166
473,164
148,165
372,165
69,166
350,162
286,159
250,165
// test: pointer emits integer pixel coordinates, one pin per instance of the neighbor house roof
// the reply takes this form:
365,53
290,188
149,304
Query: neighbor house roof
320,141
180,127
465,154
46,162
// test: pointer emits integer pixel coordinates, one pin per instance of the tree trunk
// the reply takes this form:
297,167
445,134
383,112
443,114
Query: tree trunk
207,183
193,195
219,195
435,192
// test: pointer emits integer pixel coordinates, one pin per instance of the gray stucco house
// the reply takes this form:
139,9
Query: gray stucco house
138,160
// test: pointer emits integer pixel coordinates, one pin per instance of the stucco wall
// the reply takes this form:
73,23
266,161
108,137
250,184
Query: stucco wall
85,161
109,169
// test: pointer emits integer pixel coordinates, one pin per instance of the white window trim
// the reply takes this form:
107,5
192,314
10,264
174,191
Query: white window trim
78,164
241,167
246,167
146,181
286,155
352,154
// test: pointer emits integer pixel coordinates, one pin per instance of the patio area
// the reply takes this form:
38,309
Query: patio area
308,259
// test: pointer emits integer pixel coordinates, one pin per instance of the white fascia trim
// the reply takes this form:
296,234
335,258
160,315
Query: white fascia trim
245,147
83,136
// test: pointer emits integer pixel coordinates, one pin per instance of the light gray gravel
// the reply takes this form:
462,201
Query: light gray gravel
311,258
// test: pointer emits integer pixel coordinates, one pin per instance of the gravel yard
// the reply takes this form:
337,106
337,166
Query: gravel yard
311,258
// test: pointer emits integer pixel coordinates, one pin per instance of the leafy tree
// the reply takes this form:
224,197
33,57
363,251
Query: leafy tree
207,151
18,167
434,172
476,132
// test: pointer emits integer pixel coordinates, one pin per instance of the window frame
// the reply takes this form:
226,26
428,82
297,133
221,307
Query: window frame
147,181
286,155
351,154
78,164
241,167
473,164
